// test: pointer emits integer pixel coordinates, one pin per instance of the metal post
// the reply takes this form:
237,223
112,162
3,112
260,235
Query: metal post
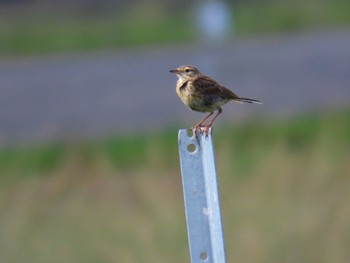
201,194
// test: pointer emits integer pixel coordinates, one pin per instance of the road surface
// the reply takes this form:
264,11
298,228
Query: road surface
120,91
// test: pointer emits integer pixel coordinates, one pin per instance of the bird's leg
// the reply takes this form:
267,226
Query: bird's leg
217,115
206,128
198,125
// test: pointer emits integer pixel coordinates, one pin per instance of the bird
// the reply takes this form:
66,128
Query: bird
204,94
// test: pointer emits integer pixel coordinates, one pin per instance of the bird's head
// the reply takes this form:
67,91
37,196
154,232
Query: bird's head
186,72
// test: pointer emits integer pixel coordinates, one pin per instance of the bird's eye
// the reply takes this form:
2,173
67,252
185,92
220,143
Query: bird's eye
187,70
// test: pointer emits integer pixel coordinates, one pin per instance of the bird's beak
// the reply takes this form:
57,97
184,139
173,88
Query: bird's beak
174,71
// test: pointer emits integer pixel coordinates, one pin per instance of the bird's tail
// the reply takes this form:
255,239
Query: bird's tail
247,100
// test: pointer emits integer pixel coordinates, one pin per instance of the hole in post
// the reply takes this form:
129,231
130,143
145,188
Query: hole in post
191,147
203,256
189,133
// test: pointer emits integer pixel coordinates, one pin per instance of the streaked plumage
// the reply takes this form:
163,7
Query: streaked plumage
203,94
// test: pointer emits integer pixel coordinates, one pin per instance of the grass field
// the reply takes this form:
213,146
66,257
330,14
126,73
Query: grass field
43,32
285,188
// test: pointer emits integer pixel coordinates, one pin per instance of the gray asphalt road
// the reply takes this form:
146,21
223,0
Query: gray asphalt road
118,91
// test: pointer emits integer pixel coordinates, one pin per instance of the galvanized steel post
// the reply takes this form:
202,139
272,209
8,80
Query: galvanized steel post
201,196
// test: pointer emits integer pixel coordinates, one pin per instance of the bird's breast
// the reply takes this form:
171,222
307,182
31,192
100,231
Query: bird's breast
183,91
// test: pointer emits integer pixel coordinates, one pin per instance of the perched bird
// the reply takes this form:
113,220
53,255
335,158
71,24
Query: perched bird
203,94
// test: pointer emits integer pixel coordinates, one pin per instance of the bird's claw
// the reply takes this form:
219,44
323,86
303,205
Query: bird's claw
201,129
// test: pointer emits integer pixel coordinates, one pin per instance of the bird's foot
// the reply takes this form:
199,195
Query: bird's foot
196,129
201,129
205,129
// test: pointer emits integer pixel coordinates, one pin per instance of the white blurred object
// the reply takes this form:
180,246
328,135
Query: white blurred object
214,20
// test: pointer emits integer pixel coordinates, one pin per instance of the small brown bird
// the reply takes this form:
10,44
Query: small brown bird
203,94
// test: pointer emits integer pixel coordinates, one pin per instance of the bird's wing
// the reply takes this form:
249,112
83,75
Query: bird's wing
209,86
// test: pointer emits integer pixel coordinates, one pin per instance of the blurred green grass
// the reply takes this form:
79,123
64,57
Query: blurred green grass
53,34
29,33
285,188
281,16
137,151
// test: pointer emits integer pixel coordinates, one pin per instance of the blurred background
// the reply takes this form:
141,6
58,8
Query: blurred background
89,168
